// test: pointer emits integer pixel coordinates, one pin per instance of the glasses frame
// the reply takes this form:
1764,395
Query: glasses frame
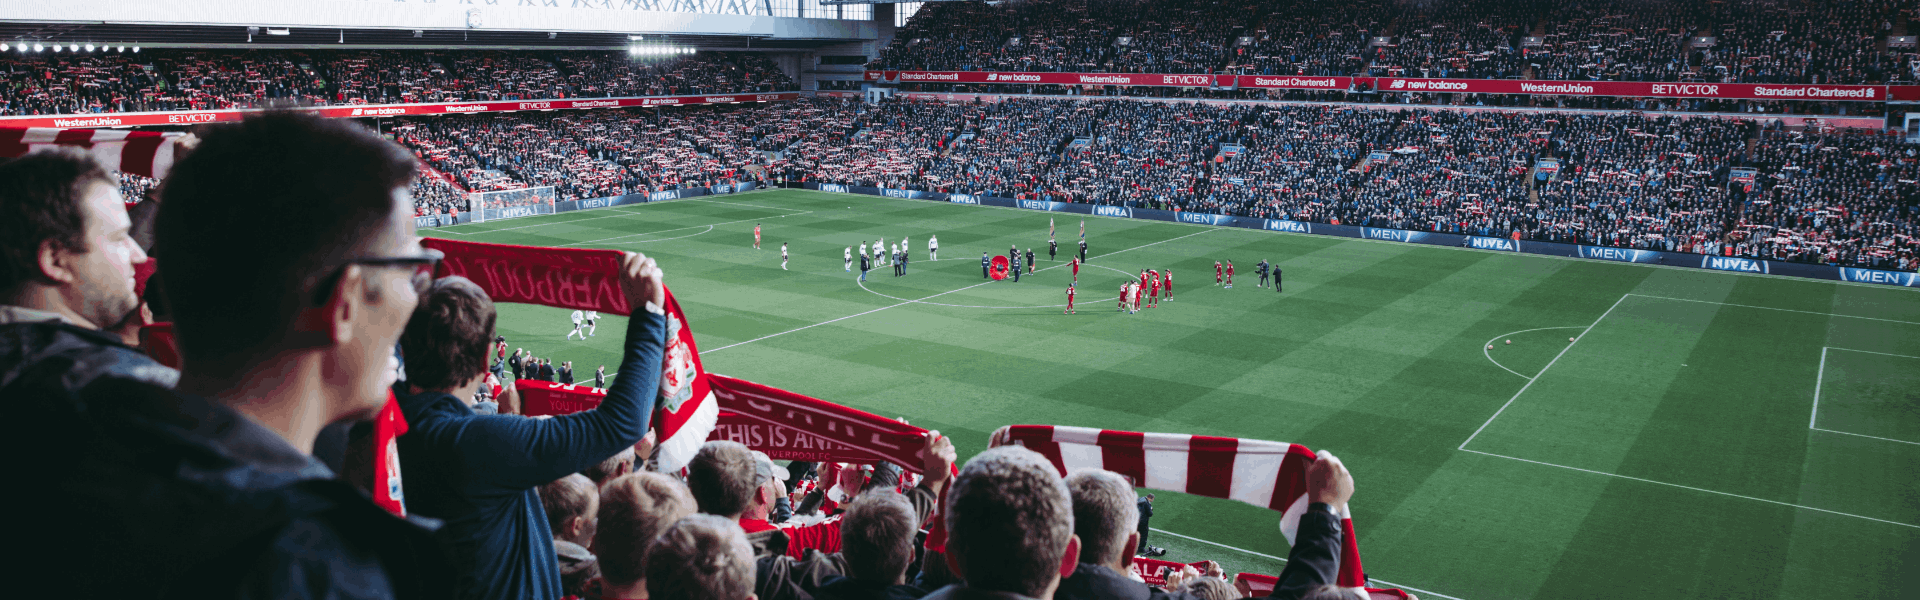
424,264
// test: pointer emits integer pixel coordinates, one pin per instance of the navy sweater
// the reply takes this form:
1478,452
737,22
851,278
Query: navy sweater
479,473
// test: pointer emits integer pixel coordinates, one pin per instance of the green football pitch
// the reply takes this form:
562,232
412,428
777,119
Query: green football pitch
1707,434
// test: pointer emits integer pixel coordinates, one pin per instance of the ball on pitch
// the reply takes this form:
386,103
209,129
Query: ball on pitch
1509,342
1569,339
1489,346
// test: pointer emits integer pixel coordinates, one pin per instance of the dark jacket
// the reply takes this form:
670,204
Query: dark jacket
1096,582
1146,512
186,498
479,473
844,588
64,357
566,374
546,372
1315,558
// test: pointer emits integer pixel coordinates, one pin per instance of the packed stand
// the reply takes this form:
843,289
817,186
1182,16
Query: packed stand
1597,40
1849,198
1475,39
586,154
170,79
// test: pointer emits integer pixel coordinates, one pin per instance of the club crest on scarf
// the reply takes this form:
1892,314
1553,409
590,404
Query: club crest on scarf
677,370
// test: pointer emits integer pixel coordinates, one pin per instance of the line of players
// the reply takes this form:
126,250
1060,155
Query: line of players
1146,293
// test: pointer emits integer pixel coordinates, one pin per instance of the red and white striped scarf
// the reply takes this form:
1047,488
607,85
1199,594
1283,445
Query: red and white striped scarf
1270,475
144,153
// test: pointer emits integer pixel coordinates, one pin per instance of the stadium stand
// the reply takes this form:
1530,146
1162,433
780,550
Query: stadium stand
163,79
1593,40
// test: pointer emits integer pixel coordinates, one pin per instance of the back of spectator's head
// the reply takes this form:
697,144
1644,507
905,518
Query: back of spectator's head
1212,588
1104,516
341,282
611,468
722,478
633,510
876,536
65,245
572,504
1333,592
702,557
1010,523
446,340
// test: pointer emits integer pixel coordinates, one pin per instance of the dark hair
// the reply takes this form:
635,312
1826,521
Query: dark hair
633,510
702,557
40,200
722,478
445,341
877,536
236,279
1008,521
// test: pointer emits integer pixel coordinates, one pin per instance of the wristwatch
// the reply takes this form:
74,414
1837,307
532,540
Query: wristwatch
1323,507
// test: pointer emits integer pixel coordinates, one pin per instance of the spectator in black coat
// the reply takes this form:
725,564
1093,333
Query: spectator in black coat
52,312
282,332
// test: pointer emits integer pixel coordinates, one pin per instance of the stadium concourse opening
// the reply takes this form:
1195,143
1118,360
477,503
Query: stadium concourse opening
1534,300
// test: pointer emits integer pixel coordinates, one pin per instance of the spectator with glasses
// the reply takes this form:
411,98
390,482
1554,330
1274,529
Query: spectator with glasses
210,490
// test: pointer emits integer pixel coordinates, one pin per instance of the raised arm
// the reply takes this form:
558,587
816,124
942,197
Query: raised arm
528,452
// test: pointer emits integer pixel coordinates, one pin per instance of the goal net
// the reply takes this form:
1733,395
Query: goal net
510,204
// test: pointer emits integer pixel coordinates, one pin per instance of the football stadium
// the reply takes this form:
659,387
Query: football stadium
1477,299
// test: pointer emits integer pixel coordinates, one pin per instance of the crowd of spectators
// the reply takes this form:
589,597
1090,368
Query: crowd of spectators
1758,41
1627,180
588,154
257,467
43,83
1632,180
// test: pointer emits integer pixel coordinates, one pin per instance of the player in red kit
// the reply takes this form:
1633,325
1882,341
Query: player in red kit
1169,284
1069,310
756,236
1153,291
1229,273
1123,296
1076,270
1216,272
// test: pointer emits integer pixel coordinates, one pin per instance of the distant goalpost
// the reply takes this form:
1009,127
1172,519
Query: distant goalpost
510,204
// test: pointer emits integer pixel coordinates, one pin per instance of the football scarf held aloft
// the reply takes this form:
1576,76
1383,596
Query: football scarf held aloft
783,424
143,153
1267,474
583,279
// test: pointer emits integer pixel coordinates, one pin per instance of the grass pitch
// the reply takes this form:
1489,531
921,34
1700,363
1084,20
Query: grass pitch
1708,435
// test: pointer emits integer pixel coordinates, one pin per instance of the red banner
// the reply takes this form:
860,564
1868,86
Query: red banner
785,425
853,434
576,278
1146,79
1724,91
378,110
543,398
1733,91
1155,571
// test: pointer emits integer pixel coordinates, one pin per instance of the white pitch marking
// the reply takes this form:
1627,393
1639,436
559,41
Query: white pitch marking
1688,487
1489,354
1543,370
1779,309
